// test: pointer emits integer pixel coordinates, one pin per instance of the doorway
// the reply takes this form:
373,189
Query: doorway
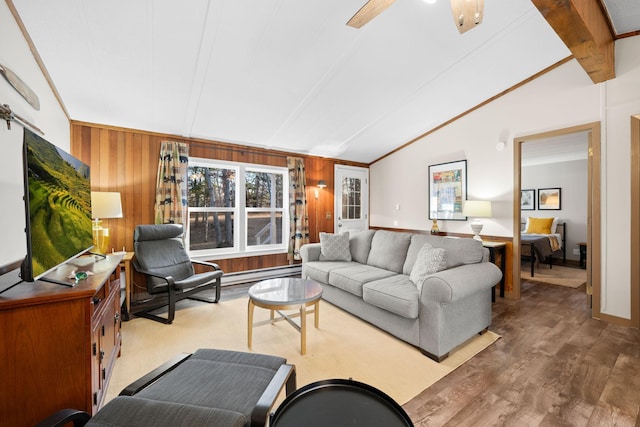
592,131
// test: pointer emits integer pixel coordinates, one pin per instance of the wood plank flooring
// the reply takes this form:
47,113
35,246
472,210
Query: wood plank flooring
553,366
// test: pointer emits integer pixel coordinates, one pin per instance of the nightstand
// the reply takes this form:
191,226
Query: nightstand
493,247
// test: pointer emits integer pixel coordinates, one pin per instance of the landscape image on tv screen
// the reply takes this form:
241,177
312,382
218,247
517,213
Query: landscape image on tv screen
58,206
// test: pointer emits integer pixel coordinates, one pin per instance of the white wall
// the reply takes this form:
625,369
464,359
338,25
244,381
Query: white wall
15,54
571,177
621,100
561,98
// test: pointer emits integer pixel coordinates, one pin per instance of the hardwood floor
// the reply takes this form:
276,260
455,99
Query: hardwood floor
553,366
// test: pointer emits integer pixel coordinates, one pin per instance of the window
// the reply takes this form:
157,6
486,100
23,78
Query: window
236,208
351,198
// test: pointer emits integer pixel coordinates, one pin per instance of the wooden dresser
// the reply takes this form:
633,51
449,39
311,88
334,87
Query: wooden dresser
58,344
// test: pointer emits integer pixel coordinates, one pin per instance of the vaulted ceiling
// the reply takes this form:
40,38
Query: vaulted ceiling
289,74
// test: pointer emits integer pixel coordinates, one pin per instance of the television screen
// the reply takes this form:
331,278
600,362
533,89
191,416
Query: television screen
57,204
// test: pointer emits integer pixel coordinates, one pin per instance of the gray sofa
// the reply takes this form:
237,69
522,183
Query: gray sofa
375,279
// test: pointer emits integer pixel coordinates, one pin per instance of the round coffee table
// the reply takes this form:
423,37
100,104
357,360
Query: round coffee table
286,294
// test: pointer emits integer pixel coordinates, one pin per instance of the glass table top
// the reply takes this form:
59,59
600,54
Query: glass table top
287,290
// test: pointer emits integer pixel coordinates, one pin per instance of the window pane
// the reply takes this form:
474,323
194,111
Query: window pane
210,230
351,198
211,187
264,228
263,189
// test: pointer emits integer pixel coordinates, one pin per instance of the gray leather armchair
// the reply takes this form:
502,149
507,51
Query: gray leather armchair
160,255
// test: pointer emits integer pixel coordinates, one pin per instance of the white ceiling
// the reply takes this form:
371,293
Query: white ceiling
562,148
283,74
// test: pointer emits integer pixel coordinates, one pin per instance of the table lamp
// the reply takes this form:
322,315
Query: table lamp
477,209
103,205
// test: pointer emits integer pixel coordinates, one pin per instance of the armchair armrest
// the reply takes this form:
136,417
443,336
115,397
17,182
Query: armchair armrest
285,376
65,416
154,375
169,279
213,265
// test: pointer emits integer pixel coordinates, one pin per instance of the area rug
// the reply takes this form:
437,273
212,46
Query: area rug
558,275
342,347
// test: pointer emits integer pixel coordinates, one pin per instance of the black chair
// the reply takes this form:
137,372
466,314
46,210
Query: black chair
207,388
160,255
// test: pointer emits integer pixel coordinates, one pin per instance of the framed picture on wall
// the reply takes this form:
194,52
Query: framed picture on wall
527,200
447,190
549,199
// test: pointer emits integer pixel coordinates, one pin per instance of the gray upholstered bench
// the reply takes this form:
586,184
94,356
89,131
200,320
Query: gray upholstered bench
208,387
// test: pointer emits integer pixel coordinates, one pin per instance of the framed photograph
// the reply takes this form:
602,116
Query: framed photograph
528,200
549,199
447,190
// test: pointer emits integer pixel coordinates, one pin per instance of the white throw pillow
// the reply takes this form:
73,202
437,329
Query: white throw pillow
429,260
334,247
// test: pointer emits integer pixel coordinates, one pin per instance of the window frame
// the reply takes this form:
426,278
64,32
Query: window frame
241,212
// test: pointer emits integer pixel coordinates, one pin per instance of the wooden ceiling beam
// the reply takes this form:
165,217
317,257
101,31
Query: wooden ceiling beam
583,27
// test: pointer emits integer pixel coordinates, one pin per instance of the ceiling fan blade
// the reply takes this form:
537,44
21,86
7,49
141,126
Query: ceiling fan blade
370,10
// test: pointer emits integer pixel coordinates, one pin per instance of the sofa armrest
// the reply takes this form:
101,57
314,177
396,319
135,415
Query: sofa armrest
310,252
456,283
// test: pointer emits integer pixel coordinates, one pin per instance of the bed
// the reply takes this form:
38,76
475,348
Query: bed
541,240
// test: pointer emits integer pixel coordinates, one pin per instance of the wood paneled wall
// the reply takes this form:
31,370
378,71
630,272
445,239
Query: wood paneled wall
126,161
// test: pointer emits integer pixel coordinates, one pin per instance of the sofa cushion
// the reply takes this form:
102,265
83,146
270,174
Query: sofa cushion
389,250
360,244
396,294
430,260
334,247
459,250
351,279
319,270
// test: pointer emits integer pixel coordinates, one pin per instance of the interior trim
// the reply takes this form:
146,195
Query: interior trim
36,56
593,215
635,221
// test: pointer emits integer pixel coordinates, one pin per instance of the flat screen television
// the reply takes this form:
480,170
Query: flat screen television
57,198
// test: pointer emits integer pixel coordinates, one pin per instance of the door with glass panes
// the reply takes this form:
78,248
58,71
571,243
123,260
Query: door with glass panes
352,199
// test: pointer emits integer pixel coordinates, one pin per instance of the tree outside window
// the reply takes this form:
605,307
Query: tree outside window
236,207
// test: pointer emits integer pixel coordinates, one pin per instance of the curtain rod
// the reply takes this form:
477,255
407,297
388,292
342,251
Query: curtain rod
8,116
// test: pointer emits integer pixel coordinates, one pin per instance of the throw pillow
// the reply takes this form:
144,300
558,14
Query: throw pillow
539,226
334,247
430,260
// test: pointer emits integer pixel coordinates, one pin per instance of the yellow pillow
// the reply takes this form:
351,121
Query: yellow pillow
539,226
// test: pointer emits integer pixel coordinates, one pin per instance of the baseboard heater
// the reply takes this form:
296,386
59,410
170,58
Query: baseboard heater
248,276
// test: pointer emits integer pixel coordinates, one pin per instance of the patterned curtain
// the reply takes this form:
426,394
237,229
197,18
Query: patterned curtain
298,216
171,184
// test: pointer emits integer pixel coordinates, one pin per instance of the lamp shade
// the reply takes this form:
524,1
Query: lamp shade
477,208
322,183
105,204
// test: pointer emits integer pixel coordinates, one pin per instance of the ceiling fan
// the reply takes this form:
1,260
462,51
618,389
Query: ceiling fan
466,13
